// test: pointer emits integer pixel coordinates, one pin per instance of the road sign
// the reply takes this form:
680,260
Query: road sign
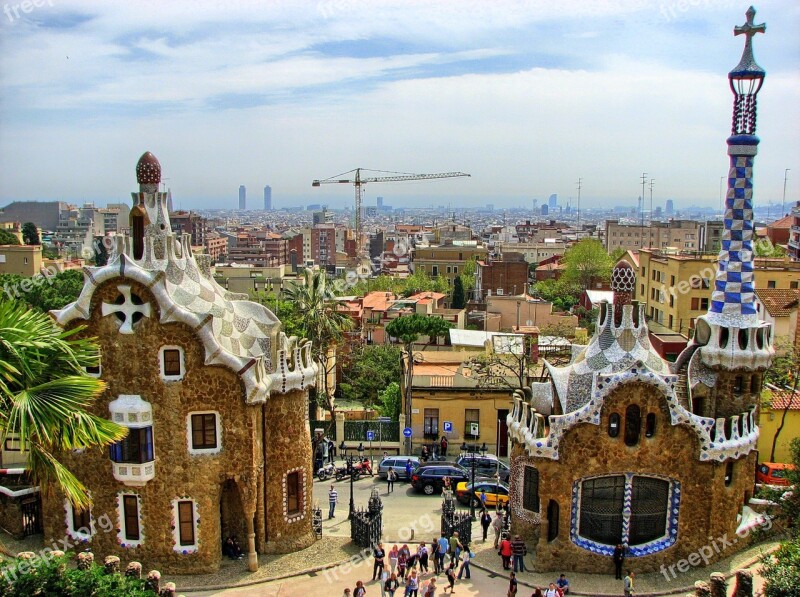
384,419
407,432
447,426
370,436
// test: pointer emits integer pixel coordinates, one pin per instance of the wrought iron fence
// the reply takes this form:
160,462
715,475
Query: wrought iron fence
356,431
453,521
366,524
316,521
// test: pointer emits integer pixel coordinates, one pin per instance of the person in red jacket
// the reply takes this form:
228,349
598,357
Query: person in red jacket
505,553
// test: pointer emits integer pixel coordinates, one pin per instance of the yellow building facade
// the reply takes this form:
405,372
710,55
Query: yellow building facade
676,286
769,420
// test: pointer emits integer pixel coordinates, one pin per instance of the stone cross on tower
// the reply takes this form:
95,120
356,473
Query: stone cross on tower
128,311
749,29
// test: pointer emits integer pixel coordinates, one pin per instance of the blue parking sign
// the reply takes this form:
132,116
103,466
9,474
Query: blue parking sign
370,436
447,426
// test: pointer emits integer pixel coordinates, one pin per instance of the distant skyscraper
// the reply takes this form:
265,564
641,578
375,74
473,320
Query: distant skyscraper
544,210
553,201
169,201
380,202
267,198
670,208
242,197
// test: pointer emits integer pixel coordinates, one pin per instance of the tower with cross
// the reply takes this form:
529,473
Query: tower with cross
730,335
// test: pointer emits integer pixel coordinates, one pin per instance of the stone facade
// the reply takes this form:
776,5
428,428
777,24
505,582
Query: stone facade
201,479
708,507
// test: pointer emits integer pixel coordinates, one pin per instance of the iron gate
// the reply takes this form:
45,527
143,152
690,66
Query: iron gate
32,516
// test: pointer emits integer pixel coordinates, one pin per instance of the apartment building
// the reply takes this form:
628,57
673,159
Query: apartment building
794,233
676,285
678,234
447,260
190,223
508,275
535,252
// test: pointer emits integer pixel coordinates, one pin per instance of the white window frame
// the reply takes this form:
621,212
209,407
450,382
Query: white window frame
176,527
69,518
168,378
218,422
128,543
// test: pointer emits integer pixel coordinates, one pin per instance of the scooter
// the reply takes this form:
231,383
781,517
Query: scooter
360,469
327,471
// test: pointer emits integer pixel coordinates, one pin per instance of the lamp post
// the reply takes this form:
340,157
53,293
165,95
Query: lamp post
465,449
351,472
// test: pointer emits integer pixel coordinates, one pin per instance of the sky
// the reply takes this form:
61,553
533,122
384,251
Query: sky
525,96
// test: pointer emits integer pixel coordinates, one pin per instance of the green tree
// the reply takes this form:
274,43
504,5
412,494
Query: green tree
617,254
323,325
458,301
370,369
507,365
587,263
468,276
286,311
45,394
6,238
408,330
45,292
30,234
765,248
781,570
390,401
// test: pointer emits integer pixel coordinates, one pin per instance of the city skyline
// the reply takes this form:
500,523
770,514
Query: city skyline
526,97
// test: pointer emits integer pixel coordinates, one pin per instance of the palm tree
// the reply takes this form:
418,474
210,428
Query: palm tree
45,394
322,324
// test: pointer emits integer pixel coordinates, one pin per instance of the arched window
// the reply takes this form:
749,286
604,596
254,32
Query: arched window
728,473
650,425
633,424
552,520
738,384
613,425
755,384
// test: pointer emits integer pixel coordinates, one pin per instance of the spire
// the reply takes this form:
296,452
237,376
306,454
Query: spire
733,298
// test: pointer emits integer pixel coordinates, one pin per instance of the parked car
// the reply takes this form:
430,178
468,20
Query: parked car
496,493
429,478
487,465
398,463
773,473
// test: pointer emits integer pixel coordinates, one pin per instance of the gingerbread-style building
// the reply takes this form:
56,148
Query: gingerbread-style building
215,397
621,446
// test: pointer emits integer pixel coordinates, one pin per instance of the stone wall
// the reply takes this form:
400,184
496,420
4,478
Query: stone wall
130,365
288,449
11,515
707,506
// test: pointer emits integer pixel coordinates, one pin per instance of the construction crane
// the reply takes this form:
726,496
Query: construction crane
359,180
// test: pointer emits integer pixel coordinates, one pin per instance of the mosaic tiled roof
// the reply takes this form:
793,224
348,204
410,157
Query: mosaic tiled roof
613,348
237,333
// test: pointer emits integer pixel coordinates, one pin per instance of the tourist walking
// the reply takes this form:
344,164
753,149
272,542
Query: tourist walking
512,585
359,591
383,579
506,553
409,469
443,447
486,522
391,585
412,584
430,588
628,584
393,556
422,554
451,577
497,527
379,554
466,556
442,547
402,562
519,552
619,560
333,499
390,478
551,591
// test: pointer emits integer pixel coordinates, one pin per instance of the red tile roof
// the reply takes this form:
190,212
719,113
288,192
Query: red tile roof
779,302
781,398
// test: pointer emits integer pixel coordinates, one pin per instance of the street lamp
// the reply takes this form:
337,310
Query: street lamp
351,472
465,449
